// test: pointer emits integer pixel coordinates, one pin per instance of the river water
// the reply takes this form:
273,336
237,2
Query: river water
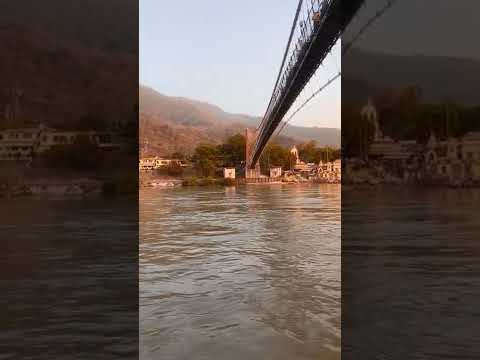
68,278
234,273
410,273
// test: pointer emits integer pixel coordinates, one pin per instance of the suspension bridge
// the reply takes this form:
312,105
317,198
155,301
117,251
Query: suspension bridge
317,26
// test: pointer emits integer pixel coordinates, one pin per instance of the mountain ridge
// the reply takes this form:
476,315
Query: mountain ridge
440,78
170,123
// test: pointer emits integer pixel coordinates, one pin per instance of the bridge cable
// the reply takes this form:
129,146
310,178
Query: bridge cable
298,69
347,47
369,23
284,58
316,77
308,100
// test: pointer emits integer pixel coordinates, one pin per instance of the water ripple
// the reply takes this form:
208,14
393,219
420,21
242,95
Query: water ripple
252,271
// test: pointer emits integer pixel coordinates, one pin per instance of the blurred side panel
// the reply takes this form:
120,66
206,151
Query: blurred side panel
411,181
69,179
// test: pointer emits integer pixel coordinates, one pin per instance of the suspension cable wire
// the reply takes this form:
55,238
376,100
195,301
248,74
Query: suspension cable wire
322,85
369,23
307,101
291,53
336,64
347,47
292,31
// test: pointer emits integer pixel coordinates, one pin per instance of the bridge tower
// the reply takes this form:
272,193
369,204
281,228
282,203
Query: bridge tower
250,137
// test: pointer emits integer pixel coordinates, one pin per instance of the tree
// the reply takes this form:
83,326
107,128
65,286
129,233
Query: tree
309,152
357,132
233,151
178,155
276,155
205,159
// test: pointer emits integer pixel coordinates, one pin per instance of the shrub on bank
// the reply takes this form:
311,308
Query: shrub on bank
190,181
206,181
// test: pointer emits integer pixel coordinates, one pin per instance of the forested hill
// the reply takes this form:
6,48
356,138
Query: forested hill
439,78
172,124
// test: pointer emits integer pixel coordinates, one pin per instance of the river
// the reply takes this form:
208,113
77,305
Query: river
68,278
410,273
234,273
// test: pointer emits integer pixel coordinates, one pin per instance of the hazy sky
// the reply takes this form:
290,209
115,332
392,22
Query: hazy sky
438,28
227,53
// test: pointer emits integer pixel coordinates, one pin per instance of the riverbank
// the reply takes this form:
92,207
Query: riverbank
64,187
164,182
374,177
50,187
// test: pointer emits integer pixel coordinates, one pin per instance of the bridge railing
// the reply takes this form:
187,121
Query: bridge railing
310,17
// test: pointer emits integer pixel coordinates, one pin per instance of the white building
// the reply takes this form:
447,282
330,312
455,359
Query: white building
294,152
331,171
470,146
229,173
18,144
385,147
24,143
451,159
275,172
155,162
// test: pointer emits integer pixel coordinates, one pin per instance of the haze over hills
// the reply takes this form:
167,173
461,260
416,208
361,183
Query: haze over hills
87,23
69,60
172,124
439,78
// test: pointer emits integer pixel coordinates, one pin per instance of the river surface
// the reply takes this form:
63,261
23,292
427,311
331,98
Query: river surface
240,273
69,278
410,273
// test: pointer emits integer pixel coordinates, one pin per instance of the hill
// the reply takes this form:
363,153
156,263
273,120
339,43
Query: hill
439,78
69,60
170,124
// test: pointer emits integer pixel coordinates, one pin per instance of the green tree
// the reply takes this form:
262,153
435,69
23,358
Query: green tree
276,155
309,152
232,152
205,159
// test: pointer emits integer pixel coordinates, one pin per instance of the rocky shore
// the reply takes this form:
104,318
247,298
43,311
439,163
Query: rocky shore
58,187
368,174
162,183
80,187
